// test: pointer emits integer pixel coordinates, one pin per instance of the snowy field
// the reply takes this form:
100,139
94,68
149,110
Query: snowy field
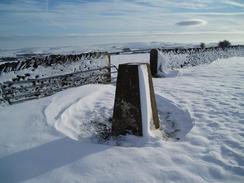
201,109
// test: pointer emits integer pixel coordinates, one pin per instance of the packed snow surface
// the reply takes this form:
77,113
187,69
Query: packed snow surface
202,106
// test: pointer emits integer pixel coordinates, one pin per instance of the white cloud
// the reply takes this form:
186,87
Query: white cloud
234,3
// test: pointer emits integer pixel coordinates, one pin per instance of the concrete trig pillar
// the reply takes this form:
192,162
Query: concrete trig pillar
135,111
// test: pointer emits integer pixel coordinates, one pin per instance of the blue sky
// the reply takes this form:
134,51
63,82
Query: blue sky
80,17
105,17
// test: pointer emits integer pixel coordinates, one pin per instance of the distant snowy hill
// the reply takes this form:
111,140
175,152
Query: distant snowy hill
201,106
113,47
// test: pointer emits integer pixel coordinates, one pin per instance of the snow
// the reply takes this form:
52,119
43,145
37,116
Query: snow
202,107
87,104
121,59
145,100
163,66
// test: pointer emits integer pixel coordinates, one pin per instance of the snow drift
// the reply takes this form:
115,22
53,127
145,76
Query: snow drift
87,114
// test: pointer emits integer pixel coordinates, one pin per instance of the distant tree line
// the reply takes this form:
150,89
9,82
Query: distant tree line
224,44
202,45
221,44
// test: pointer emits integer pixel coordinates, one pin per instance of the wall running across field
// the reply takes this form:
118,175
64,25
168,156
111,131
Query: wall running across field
163,59
43,76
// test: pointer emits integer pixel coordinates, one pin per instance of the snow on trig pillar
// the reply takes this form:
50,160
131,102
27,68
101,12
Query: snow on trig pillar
135,111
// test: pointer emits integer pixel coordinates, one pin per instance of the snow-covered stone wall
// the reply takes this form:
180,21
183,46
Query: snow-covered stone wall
28,80
178,58
52,65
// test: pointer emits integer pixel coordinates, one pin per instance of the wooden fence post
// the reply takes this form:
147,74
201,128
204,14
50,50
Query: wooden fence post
109,77
154,62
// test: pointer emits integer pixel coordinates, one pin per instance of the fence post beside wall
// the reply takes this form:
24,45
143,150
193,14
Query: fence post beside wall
154,62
